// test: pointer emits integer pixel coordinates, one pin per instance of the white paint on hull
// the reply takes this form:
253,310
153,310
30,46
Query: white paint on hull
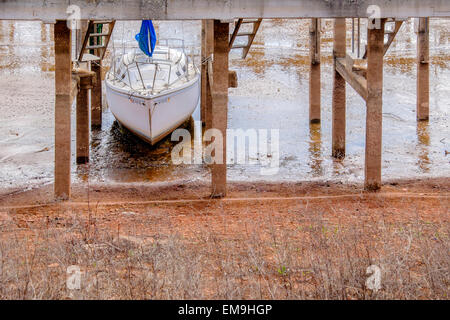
152,118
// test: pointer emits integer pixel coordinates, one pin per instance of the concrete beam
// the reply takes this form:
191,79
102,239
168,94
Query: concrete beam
374,110
217,9
219,112
423,69
339,92
314,71
63,102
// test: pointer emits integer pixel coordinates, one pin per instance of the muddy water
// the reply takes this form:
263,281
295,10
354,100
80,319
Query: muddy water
272,94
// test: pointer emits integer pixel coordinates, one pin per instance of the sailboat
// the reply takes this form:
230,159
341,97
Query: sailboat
153,89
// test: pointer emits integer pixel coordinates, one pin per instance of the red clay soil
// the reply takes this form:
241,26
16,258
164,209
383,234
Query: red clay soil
189,206
179,191
281,234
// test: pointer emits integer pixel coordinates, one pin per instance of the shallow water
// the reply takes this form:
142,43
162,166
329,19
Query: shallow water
272,94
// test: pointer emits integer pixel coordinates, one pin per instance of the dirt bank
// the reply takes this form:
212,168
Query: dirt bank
302,240
194,191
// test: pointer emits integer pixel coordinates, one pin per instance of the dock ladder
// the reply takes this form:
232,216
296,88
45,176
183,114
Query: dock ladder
96,40
250,35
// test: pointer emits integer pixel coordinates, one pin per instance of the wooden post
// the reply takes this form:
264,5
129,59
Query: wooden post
96,96
374,116
86,79
63,81
204,75
339,94
423,69
314,71
82,126
219,112
207,51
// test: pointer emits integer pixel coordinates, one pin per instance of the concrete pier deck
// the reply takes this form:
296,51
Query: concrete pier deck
219,9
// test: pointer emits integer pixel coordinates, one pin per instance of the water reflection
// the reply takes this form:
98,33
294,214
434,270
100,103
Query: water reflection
12,32
2,32
315,149
338,166
46,49
423,139
82,172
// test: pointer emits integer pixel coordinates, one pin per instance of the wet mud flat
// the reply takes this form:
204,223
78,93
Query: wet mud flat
272,94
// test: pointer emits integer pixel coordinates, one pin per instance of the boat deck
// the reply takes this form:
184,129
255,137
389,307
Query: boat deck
168,70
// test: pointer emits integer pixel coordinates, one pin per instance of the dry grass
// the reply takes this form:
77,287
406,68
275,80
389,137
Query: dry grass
295,252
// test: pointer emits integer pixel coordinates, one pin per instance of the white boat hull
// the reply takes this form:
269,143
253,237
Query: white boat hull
153,118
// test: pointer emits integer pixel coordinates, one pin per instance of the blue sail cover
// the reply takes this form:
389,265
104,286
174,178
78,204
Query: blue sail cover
147,37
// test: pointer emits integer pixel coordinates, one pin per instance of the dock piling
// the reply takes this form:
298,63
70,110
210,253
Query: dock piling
96,96
82,126
423,69
339,91
219,112
203,79
207,50
86,79
374,107
63,82
314,71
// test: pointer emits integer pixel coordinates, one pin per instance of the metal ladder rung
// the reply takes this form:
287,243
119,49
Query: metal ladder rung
239,46
89,57
245,34
251,35
98,34
101,35
99,46
101,21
